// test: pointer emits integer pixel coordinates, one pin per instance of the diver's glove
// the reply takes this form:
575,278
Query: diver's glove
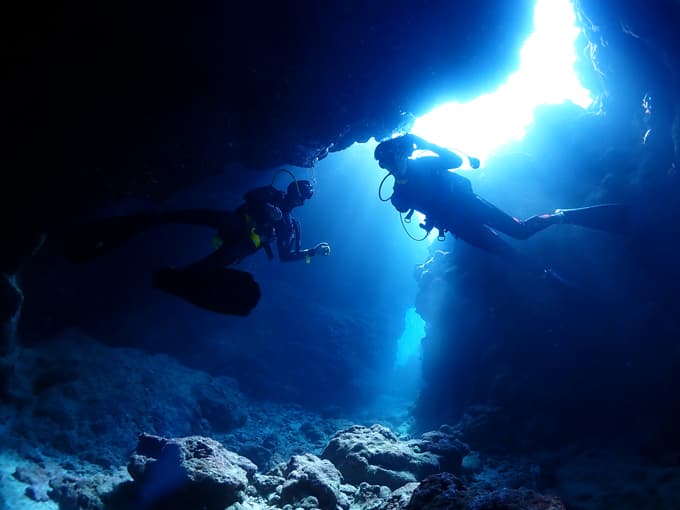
323,249
474,162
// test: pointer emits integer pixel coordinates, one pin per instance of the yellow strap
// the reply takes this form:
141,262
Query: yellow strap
308,259
255,238
218,242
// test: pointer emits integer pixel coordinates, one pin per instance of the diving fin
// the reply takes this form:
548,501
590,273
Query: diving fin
608,217
214,288
91,240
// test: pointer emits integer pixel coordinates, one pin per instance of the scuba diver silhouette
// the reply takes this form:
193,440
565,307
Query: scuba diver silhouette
449,203
263,217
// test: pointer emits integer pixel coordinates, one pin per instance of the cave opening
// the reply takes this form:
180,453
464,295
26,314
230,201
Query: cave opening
546,76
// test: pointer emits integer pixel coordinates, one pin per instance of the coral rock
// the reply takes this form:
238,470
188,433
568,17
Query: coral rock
375,455
308,475
189,472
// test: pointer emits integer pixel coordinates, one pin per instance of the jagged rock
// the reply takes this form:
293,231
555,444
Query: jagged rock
511,473
18,246
189,472
400,498
37,479
514,499
11,302
371,497
84,493
252,505
432,283
440,491
445,491
267,484
375,455
445,445
308,475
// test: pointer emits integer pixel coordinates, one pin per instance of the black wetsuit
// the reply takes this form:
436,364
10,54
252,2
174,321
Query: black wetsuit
448,202
247,229
208,283
287,232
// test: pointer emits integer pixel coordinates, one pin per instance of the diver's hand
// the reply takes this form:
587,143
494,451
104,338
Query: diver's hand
474,162
417,141
323,249
274,213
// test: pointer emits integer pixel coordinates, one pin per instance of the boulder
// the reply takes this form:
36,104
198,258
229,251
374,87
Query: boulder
445,444
514,499
375,455
308,475
445,491
370,497
189,472
90,492
400,498
442,491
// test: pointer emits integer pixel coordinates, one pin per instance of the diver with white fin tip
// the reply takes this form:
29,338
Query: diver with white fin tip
447,200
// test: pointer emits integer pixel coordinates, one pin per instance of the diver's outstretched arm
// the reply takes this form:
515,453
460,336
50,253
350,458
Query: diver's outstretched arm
449,158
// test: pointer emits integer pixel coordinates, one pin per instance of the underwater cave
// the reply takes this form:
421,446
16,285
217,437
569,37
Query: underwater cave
344,351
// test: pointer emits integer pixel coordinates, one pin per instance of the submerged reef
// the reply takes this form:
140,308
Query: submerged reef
108,435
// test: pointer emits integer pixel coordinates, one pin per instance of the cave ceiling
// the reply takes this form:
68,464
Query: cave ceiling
106,101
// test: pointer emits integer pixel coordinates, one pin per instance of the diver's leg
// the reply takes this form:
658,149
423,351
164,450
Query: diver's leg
485,238
233,249
608,217
207,217
495,218
102,236
91,240
613,218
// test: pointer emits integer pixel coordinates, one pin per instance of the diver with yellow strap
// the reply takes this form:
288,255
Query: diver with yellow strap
263,217
266,215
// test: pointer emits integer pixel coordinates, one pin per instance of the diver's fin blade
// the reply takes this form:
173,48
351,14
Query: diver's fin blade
214,288
608,217
91,240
